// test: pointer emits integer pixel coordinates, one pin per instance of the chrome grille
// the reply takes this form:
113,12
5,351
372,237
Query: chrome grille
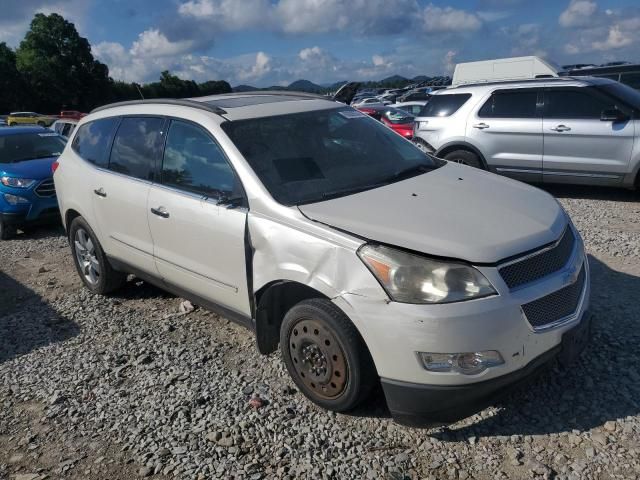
539,264
557,305
46,188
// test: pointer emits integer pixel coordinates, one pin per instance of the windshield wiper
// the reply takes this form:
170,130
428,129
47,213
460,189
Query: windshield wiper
413,171
349,191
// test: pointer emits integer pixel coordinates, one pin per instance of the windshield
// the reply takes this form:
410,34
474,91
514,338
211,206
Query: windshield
625,93
30,146
313,156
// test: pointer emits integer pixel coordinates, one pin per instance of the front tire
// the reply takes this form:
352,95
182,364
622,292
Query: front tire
7,232
465,157
92,264
325,355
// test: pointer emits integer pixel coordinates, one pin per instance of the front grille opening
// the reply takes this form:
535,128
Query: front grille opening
46,188
539,265
557,305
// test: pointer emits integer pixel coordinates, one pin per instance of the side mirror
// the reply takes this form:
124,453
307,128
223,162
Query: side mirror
613,115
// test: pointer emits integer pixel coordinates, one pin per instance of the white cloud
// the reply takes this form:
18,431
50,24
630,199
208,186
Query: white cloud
448,19
449,61
228,14
152,43
579,13
617,38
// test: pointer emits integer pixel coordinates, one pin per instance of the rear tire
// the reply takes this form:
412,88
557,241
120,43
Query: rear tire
92,264
7,232
325,355
465,157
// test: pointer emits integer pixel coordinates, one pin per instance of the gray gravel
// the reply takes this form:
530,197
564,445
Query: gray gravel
131,386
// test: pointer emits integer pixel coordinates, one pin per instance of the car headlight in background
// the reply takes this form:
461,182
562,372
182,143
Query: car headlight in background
17,182
412,278
15,199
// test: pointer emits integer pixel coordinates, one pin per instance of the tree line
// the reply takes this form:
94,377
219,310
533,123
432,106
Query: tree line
53,69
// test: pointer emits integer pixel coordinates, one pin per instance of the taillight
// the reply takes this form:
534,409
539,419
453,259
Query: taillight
54,166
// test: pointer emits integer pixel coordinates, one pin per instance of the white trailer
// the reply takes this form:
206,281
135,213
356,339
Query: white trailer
501,69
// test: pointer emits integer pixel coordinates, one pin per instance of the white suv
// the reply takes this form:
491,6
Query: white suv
327,233
561,130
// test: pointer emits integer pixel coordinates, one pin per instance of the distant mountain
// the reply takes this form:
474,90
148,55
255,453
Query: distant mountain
305,86
394,79
420,78
244,88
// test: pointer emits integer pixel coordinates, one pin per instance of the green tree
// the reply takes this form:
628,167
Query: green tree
11,86
59,67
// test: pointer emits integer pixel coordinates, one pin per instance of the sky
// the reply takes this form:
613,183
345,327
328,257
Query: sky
274,42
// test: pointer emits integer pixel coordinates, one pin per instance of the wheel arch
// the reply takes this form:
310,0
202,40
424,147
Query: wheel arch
461,145
273,301
69,216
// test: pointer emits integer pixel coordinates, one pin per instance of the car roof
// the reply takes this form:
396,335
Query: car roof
554,81
18,130
239,106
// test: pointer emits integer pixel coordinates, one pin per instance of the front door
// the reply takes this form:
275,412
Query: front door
197,215
578,146
507,130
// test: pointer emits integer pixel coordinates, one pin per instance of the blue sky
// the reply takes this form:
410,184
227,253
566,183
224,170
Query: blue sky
273,42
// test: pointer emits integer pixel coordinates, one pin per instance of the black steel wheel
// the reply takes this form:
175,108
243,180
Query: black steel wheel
325,355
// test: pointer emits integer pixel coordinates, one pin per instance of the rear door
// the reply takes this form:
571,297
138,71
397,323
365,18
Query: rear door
197,213
507,129
578,146
120,191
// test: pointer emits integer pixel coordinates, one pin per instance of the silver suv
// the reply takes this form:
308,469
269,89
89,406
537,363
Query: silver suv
328,234
561,130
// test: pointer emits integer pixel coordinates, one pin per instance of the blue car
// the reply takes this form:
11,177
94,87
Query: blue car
27,193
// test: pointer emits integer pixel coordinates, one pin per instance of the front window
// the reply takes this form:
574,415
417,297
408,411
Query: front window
628,95
314,156
30,146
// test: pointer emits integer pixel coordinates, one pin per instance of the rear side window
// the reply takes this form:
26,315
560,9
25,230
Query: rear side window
444,105
136,147
510,104
566,103
194,162
93,139
631,79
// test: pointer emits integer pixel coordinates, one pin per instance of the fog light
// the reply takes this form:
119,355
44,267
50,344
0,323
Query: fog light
467,363
15,199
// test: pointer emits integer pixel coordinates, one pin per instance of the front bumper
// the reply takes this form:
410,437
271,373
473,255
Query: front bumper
419,405
40,210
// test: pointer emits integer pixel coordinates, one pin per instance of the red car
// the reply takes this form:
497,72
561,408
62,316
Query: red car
397,120
71,114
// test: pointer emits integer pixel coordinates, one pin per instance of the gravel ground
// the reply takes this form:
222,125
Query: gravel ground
128,387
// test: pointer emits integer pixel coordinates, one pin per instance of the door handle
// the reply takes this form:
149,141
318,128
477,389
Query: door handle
160,211
481,126
561,128
100,192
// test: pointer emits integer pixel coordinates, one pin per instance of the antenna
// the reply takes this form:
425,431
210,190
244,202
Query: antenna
139,91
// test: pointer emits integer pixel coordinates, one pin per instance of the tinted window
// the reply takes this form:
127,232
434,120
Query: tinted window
92,140
29,146
397,116
511,104
444,105
194,162
136,147
313,156
67,129
626,94
631,79
584,103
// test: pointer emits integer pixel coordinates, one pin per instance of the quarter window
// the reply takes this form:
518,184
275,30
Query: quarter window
631,79
195,163
510,104
137,146
444,105
565,103
92,140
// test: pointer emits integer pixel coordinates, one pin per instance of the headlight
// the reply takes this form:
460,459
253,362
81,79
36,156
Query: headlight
17,182
411,278
15,199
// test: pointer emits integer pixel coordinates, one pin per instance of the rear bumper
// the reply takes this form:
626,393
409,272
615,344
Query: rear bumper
420,405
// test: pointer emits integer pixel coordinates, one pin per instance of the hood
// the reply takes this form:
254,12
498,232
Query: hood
454,211
35,169
346,92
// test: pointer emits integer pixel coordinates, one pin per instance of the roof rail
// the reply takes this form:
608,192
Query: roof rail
164,101
528,80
